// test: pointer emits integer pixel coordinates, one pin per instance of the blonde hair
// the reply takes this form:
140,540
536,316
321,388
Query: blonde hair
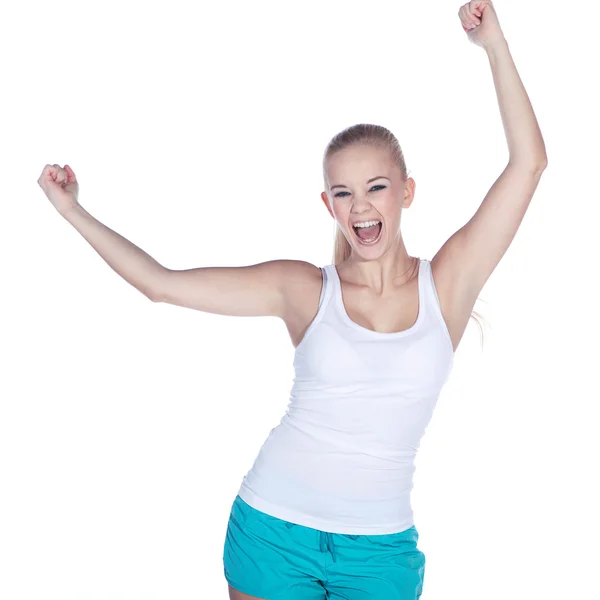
376,136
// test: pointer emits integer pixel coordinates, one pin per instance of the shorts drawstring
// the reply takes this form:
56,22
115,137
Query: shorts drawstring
326,542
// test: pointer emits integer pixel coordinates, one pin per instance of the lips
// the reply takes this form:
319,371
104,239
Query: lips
373,235
365,221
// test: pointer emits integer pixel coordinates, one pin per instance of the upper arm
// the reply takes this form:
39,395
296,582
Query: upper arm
255,290
471,254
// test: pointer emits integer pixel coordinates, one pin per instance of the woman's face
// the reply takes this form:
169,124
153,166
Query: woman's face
364,184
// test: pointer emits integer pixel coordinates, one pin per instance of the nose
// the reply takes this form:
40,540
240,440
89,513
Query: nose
361,207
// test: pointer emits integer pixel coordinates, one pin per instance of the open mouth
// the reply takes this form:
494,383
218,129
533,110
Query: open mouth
368,235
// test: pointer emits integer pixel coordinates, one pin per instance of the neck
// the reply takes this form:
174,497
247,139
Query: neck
390,271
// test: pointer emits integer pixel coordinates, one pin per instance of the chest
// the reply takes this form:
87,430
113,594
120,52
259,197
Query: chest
392,313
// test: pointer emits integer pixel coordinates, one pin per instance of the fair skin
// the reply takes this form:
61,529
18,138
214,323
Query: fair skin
378,281
235,595
373,293
380,278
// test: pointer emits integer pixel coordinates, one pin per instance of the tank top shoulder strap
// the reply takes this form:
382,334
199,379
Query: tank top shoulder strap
427,285
431,295
328,285
326,292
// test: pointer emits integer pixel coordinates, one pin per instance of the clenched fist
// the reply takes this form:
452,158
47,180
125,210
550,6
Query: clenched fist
480,22
60,185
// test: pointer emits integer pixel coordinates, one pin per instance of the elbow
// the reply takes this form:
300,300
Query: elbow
535,167
543,163
153,297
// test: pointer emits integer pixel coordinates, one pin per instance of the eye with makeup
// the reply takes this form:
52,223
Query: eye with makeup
339,194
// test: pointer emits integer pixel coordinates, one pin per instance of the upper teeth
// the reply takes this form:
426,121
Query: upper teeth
366,224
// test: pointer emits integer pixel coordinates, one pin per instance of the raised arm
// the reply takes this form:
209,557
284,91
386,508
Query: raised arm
254,290
264,289
470,255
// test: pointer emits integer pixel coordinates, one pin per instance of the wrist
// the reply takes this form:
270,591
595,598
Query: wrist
496,45
70,210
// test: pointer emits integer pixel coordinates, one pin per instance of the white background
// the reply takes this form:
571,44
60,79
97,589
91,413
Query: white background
196,130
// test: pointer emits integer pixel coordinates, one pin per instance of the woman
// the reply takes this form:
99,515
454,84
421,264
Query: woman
325,510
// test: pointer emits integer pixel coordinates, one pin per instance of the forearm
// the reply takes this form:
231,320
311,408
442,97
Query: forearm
525,142
125,258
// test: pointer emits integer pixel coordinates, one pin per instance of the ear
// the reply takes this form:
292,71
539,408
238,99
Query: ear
409,192
326,202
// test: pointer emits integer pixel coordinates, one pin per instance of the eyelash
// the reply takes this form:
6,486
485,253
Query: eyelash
379,186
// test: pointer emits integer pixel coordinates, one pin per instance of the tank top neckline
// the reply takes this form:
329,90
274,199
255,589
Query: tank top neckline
337,292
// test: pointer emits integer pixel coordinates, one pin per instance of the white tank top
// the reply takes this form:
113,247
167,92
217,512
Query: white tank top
341,459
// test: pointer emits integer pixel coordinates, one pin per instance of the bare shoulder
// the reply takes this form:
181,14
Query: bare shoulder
301,281
297,274
302,285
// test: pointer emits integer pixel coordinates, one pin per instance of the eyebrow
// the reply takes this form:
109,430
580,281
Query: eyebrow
369,181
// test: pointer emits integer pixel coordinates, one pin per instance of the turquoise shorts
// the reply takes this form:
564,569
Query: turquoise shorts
274,559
